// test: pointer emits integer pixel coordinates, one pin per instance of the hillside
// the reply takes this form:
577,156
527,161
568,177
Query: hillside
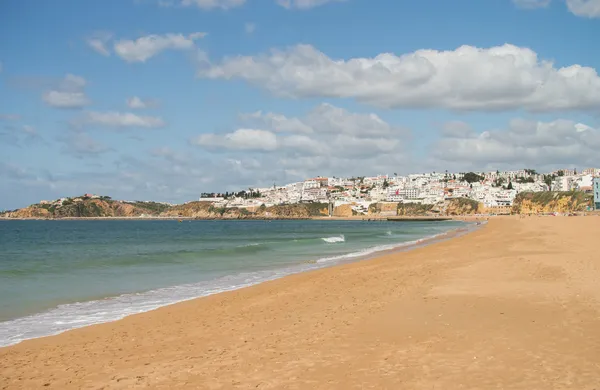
86,207
549,202
99,207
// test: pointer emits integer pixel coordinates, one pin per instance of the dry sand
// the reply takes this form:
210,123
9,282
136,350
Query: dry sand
515,305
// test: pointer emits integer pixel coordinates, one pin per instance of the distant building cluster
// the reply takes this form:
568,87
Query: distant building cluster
495,190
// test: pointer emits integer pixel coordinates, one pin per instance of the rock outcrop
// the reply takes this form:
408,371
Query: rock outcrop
551,202
456,206
206,210
383,208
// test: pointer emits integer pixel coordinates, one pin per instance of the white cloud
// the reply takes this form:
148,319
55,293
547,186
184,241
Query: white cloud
278,122
304,4
241,139
146,47
327,118
123,120
327,131
99,42
585,8
211,4
138,103
250,28
60,99
468,78
69,93
522,143
531,4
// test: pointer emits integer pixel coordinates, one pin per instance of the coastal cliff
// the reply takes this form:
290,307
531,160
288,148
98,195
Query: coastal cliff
550,202
205,210
105,207
84,207
457,206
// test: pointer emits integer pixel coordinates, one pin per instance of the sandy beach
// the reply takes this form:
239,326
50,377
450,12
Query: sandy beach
514,305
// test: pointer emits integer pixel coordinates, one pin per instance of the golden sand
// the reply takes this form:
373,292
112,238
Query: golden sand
515,305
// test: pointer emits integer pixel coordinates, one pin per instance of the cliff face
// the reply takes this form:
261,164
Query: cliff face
550,202
205,210
386,208
457,206
462,206
28,212
415,209
343,210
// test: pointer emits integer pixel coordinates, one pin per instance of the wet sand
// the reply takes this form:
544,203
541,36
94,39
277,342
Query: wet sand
514,305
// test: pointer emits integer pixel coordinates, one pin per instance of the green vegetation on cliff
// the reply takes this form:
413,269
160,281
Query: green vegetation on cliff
88,207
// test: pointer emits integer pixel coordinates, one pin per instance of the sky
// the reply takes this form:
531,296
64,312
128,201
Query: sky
165,99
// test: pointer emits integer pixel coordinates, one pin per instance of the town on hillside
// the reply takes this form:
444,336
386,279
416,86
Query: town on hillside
496,190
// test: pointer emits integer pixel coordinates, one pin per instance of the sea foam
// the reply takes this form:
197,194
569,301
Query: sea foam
332,240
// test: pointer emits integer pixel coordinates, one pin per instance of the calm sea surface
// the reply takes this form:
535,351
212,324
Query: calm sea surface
59,275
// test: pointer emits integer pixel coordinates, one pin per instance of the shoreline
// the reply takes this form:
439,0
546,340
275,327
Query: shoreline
317,218
497,308
364,254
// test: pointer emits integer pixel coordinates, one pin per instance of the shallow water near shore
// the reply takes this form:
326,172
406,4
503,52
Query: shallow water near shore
60,275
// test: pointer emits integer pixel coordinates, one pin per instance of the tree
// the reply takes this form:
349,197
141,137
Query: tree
510,186
548,180
386,184
560,173
472,177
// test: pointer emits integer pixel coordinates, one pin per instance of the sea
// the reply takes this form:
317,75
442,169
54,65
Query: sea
58,275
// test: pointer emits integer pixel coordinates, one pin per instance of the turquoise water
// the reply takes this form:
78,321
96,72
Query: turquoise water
59,275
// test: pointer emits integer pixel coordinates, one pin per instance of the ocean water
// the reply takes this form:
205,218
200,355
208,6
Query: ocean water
60,275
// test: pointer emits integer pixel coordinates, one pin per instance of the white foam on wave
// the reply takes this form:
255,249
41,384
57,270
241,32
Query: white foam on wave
334,239
76,315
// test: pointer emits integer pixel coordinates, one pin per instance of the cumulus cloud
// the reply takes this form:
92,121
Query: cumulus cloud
523,143
123,120
326,118
211,4
146,47
69,93
304,4
99,42
585,8
241,139
138,103
468,78
531,4
328,131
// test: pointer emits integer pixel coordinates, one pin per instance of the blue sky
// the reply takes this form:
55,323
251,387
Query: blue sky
148,99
